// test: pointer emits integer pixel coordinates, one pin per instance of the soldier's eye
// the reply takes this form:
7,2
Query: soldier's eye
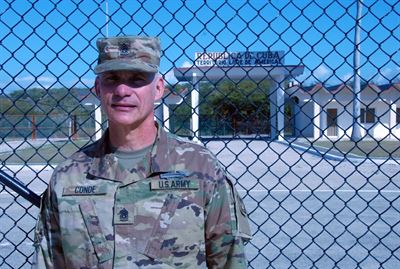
110,79
138,80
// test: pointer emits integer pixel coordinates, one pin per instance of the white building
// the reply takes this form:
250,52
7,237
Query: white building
326,112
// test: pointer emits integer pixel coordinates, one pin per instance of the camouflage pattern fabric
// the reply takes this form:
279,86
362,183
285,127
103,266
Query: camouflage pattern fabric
174,209
133,53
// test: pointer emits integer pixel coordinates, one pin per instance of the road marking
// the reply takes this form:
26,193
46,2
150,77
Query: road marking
328,190
30,167
7,244
266,191
13,193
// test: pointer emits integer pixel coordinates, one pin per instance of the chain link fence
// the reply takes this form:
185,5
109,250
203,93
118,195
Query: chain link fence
301,108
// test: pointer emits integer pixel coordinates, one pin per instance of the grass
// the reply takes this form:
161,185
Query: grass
50,152
364,148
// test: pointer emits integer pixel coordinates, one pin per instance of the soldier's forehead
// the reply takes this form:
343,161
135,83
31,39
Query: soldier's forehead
126,73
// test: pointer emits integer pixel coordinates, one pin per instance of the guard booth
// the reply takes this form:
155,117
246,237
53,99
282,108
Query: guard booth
237,66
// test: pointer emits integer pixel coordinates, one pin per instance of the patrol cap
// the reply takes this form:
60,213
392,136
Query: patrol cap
131,53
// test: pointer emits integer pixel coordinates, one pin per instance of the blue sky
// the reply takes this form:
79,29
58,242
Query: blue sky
46,44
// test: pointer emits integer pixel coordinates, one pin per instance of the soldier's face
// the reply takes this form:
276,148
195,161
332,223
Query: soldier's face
128,97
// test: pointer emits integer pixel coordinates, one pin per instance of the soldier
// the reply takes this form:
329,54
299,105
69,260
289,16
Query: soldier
139,197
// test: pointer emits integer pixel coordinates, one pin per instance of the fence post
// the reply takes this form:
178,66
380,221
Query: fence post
97,121
280,103
195,107
166,116
74,128
392,119
317,120
33,127
273,109
277,108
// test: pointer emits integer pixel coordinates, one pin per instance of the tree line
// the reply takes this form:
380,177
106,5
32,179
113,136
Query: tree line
37,101
226,107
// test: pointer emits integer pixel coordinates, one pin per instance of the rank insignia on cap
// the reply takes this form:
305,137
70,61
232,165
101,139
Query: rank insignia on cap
124,49
123,215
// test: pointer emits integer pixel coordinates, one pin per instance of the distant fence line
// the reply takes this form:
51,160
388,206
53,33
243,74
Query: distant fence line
35,126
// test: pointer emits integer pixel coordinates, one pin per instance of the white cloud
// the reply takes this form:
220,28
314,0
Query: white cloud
46,79
386,75
47,82
321,72
39,82
25,79
304,78
86,82
170,77
317,75
187,64
347,77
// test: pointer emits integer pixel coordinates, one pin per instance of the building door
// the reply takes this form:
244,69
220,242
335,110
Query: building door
331,122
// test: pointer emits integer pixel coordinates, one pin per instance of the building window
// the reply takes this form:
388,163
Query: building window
367,115
398,115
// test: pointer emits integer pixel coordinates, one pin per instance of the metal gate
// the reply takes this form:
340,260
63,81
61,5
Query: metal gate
235,70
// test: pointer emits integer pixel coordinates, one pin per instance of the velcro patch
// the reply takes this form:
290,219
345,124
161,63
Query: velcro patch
174,184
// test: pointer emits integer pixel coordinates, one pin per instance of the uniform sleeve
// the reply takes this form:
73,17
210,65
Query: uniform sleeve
227,228
48,249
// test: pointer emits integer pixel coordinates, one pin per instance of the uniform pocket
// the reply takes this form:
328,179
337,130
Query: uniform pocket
103,250
79,251
177,237
82,234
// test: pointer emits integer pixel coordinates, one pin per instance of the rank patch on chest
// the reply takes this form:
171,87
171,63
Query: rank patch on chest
123,215
174,184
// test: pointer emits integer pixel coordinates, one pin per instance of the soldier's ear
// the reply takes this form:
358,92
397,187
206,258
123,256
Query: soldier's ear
159,87
97,86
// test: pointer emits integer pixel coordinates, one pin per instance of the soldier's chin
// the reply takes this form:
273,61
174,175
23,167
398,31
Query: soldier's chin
121,122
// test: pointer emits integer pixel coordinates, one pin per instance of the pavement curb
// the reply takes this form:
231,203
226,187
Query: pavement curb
319,151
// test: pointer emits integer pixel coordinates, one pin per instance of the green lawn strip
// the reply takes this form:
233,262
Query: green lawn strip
51,152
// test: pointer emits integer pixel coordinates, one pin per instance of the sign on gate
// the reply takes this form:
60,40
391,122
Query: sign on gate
246,58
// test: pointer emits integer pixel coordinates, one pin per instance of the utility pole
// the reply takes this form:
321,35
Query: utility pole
356,132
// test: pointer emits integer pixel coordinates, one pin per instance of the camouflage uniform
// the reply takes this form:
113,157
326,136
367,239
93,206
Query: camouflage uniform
175,209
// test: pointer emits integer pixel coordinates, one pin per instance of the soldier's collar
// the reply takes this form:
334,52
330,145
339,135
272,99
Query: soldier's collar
105,165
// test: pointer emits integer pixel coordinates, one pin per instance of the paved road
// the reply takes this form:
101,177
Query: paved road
305,211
